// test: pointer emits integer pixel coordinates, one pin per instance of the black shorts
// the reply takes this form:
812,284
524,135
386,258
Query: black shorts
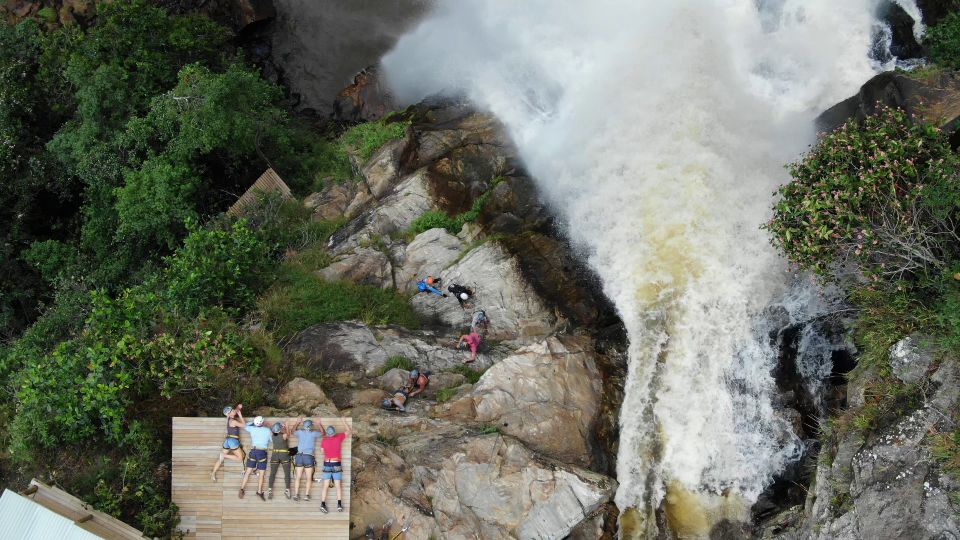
257,459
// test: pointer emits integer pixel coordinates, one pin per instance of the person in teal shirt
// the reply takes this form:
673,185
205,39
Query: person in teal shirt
257,459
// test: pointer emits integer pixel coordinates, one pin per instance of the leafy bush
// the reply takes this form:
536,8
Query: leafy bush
301,299
943,42
217,267
401,362
882,194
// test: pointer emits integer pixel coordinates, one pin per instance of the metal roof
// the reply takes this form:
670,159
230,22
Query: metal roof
24,519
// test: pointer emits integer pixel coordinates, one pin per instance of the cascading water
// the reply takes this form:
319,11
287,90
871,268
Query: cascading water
658,131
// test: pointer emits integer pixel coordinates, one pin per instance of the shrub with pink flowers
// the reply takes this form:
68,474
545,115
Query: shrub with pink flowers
883,193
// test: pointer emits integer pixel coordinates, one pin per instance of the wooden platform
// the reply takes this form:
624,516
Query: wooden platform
213,510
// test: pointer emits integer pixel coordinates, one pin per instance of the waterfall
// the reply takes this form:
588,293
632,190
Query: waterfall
658,131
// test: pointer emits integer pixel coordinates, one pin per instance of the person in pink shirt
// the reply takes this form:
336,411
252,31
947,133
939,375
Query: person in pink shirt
473,339
332,444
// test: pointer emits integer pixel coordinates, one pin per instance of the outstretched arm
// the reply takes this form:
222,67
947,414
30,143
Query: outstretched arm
346,429
323,428
237,420
419,388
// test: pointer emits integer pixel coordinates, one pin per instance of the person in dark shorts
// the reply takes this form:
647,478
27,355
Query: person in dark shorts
257,460
231,448
305,459
462,294
281,455
332,445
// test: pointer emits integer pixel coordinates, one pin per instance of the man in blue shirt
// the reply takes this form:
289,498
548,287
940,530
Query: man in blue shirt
305,459
257,459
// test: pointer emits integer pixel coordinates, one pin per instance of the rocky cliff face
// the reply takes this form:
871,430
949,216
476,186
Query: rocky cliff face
525,451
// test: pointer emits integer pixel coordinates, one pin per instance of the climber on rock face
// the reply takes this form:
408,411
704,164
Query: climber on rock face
472,339
427,285
417,382
461,293
480,324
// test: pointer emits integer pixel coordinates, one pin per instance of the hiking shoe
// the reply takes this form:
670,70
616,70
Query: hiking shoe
241,494
270,493
306,498
296,498
213,477
262,498
323,507
287,493
339,507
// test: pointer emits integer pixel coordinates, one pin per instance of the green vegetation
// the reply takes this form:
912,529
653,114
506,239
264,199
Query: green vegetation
873,207
943,42
446,394
401,362
435,219
128,295
300,299
471,375
487,429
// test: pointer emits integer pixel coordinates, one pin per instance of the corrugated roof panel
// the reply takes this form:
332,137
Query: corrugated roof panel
23,519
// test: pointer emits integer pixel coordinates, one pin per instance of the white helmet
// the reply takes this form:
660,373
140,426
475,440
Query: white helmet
258,421
464,296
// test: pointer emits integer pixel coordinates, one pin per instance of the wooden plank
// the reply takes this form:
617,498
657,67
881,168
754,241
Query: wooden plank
70,507
214,510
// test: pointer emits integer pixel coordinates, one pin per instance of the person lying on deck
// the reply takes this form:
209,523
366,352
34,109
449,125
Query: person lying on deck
231,448
257,461
332,446
305,460
281,454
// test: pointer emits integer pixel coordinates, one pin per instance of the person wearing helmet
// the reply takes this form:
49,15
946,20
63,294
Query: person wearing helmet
257,460
480,324
332,445
461,293
472,339
231,448
426,285
417,382
305,460
281,454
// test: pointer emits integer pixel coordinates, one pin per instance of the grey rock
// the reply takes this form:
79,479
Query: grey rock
514,308
366,266
546,395
382,170
332,202
430,253
910,359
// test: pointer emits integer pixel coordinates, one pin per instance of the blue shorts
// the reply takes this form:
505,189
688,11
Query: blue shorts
257,459
332,472
304,460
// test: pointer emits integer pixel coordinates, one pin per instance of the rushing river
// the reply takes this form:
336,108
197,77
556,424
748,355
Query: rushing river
658,130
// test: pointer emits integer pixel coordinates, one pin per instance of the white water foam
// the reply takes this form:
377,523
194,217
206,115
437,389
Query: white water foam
658,131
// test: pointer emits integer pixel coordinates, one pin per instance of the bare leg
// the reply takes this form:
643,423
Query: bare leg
296,482
309,481
262,475
216,466
339,487
323,492
246,476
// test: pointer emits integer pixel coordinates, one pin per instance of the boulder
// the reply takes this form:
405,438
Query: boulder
430,253
382,170
301,396
910,359
515,309
394,214
247,12
936,99
364,265
457,486
331,203
355,347
547,395
365,100
393,379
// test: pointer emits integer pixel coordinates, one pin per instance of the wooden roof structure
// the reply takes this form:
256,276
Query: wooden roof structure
43,511
269,182
213,509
